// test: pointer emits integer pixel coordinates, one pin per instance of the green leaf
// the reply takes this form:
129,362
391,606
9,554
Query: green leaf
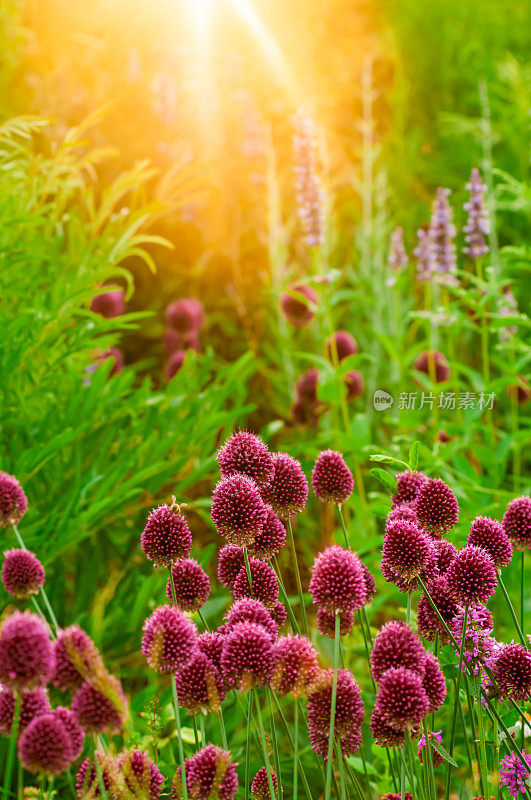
414,456
474,681
442,752
384,477
382,459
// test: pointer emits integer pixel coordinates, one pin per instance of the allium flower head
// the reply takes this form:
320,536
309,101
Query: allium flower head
71,725
513,774
186,315
396,645
170,639
76,658
512,670
401,698
355,385
408,484
434,736
433,683
247,658
338,580
260,786
298,305
446,552
34,703
251,610
397,259
370,584
332,481
350,742
406,549
384,734
309,190
489,534
103,711
109,304
264,583
271,539
471,577
279,613
247,454
45,747
341,345
349,705
13,501
437,508
428,623
174,363
478,223
200,686
288,491
22,573
211,644
296,665
396,796
238,511
306,412
442,233
166,536
433,363
517,522
326,622
306,385
141,775
230,562
210,775
403,511
26,654
87,782
191,584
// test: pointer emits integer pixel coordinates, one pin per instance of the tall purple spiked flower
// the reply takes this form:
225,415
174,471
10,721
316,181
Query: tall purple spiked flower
512,671
396,645
401,698
513,774
251,610
332,480
103,711
34,703
310,194
13,501
22,573
288,490
442,232
407,552
200,686
517,522
191,584
489,534
338,581
26,654
296,665
142,776
166,536
238,511
408,484
397,258
349,705
45,747
76,658
271,539
247,658
264,583
210,775
471,577
170,639
230,561
424,252
247,454
428,623
437,508
478,223
260,786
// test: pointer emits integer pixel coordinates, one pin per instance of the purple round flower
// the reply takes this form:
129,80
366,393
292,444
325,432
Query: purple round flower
26,654
350,742
278,613
516,521
260,786
22,573
349,705
326,622
489,534
446,552
408,485
103,711
185,315
34,703
355,385
210,775
230,562
370,583
200,686
306,385
247,658
296,665
299,311
384,734
338,580
245,453
512,671
76,658
341,345
251,610
403,511
170,639
238,511
71,725
45,747
433,683
166,537
397,645
142,776
174,364
433,360
428,623
332,481
109,304
437,508
406,549
288,490
513,774
264,584
211,644
13,501
471,577
191,583
271,539
401,698
396,796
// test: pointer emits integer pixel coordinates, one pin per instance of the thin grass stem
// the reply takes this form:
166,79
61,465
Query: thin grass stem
179,733
332,710
264,747
297,576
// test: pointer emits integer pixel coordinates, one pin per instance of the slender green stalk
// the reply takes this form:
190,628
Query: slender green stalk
414,765
332,711
203,620
20,780
291,741
496,764
264,747
522,584
248,744
42,591
456,703
483,760
519,629
293,621
296,751
222,729
97,767
248,570
467,745
342,781
11,749
196,735
354,781
274,739
297,576
179,734
345,533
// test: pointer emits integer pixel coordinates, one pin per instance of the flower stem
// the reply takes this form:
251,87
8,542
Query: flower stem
483,750
345,533
274,739
264,748
248,570
328,782
99,776
296,751
179,734
513,613
292,743
342,780
248,744
293,621
429,761
456,703
222,729
42,591
12,746
297,576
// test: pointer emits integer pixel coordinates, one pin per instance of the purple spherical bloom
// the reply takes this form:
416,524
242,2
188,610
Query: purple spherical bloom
200,686
332,481
350,742
516,522
437,508
142,777
513,774
13,501
251,610
170,639
191,585
446,552
298,305
396,645
211,644
384,734
355,385
271,539
109,304
45,747
512,671
341,345
248,657
264,583
260,786
26,654
489,534
210,775
349,705
405,584
288,490
401,698
34,703
76,658
103,711
185,315
22,573
471,577
296,665
478,223
174,364
406,549
166,536
433,683
405,511
370,584
338,580
326,622
278,613
306,385
238,511
396,796
245,453
428,623
71,725
231,560
433,364
408,484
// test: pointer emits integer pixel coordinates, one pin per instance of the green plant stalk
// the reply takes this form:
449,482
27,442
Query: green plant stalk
345,534
473,726
342,780
203,620
196,734
291,741
483,760
456,704
296,751
328,781
42,590
467,745
522,595
274,739
11,749
513,613
264,745
297,576
248,569
179,736
97,767
222,730
414,765
496,764
429,762
248,744
354,781
293,621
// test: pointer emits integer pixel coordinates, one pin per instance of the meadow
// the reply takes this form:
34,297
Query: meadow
264,392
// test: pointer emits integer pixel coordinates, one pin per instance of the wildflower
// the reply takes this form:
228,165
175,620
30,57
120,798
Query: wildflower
166,536
102,711
341,345
478,223
296,665
174,363
433,683
22,573
210,775
471,577
170,639
230,562
401,698
428,623
406,551
191,585
13,501
434,364
405,511
76,658
446,552
288,491
271,539
306,412
408,484
517,522
238,511
260,786
384,734
310,194
251,610
306,385
397,645
370,584
332,480
350,742
278,613
298,305
45,747
338,580
211,644
34,703
109,304
489,534
246,453
26,654
87,782
247,658
185,315
264,584
396,796
425,255
397,258
513,774
437,508
512,670
349,705
71,725
326,622
442,233
434,736
479,646
142,776
200,686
